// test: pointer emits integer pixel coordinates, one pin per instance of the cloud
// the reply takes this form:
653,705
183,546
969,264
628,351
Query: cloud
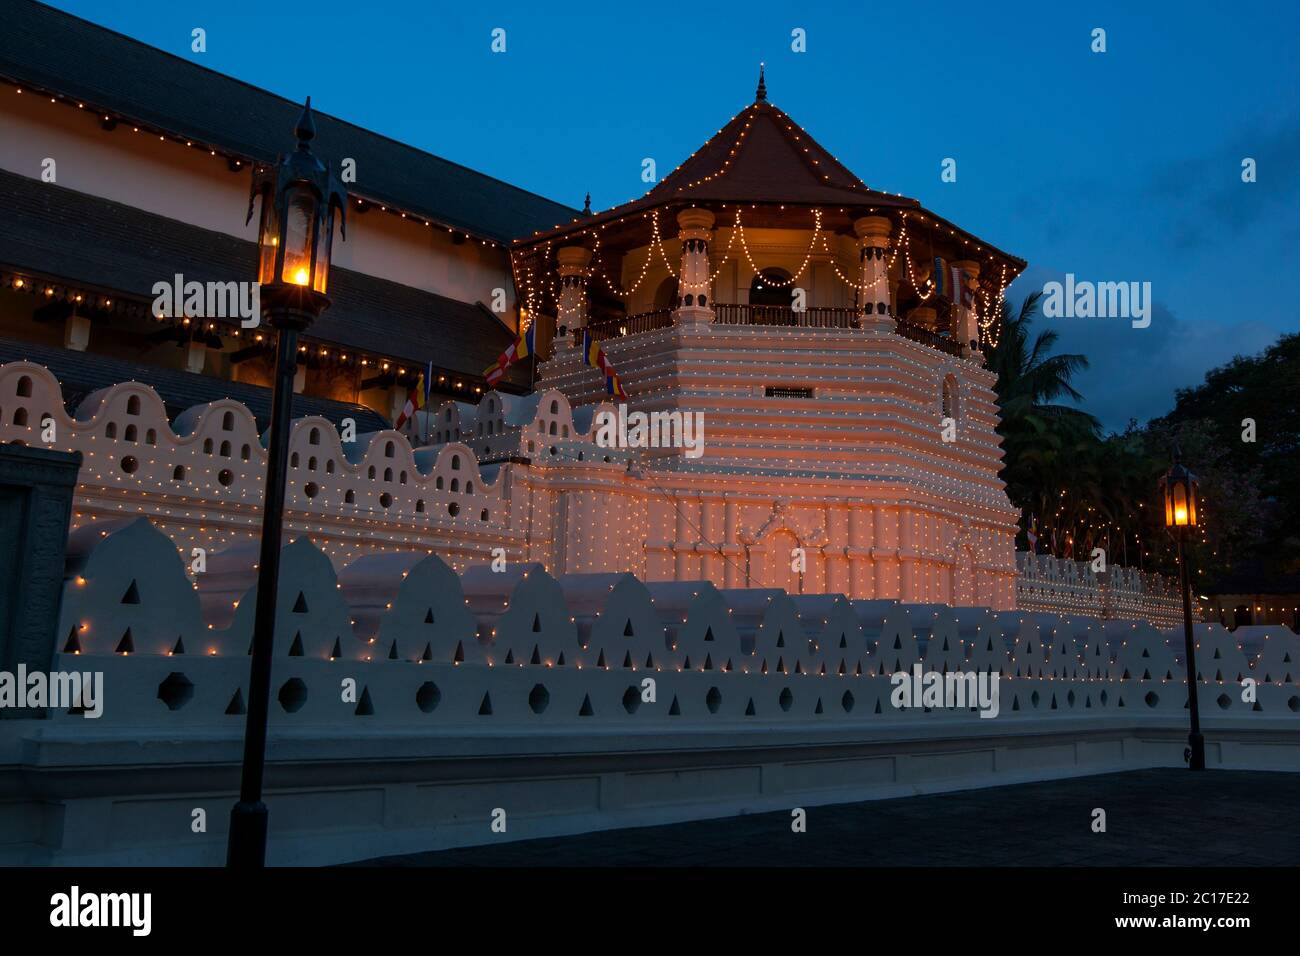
1134,373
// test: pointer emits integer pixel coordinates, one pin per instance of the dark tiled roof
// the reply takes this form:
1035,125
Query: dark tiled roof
81,373
47,48
55,232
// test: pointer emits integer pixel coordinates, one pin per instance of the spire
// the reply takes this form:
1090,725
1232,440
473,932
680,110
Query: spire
305,129
760,95
586,206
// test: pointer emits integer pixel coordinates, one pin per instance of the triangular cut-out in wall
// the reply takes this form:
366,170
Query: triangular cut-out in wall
428,616
686,664
300,605
428,652
649,660
459,656
537,656
179,646
627,628
126,645
627,660
510,656
708,662
559,660
585,710
763,667
295,649
72,645
780,638
485,708
844,641
1015,703
392,651
132,595
336,651
674,709
708,633
818,709
365,707
798,667
537,623
727,666
877,705
898,643
600,660
749,708
945,644
236,705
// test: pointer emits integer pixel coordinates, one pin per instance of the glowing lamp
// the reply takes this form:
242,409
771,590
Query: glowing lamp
299,197
1179,489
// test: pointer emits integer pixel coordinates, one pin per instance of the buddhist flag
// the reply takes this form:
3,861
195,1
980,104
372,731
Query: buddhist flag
418,397
950,283
594,355
521,348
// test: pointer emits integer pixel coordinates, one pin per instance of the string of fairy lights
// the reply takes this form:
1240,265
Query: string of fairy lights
540,283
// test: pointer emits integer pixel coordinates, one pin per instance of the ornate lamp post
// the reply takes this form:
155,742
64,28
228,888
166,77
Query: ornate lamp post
299,199
1179,489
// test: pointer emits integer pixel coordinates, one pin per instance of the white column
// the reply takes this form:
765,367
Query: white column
571,309
965,326
873,290
694,287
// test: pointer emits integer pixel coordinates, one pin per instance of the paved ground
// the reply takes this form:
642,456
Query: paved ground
1153,818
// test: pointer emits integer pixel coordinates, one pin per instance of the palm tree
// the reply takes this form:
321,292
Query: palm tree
1048,447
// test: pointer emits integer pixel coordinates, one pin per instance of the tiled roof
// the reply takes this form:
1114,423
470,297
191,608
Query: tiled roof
56,232
81,373
52,50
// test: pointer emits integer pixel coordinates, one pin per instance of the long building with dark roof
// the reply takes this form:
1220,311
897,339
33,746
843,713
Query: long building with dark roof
122,166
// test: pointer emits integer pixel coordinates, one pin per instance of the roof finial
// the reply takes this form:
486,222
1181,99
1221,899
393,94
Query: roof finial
305,129
760,95
586,206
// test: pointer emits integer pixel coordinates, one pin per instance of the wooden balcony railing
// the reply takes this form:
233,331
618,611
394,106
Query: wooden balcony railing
820,317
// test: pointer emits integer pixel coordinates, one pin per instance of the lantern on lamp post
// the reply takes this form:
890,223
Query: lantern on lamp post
299,198
1178,487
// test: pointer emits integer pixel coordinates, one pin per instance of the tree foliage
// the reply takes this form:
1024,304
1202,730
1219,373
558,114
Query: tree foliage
1083,490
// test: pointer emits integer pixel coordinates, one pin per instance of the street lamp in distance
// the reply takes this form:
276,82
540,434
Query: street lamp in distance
299,199
1178,487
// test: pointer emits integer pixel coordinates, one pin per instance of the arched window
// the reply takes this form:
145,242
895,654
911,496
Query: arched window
771,287
666,294
950,403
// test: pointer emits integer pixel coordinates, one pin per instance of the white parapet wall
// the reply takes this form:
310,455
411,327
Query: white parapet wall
410,704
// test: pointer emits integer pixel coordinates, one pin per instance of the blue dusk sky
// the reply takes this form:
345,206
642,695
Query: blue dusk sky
1115,166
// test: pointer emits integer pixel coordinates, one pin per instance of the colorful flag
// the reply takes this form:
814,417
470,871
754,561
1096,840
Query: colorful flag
520,349
594,355
416,399
950,283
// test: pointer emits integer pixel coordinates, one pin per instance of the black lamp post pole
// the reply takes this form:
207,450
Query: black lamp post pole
1195,742
248,818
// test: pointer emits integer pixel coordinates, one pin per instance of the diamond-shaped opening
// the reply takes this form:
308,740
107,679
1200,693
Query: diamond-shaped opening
631,700
539,698
176,690
1152,698
847,701
428,697
786,699
713,700
1224,701
293,694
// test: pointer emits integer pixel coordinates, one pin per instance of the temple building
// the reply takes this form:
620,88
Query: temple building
808,351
